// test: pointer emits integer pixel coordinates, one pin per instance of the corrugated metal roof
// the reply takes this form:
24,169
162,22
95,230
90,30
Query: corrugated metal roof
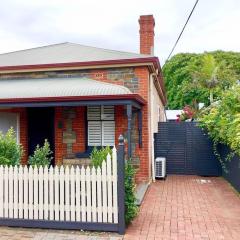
172,114
57,87
63,53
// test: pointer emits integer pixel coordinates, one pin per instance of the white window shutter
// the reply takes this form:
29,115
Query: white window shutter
94,133
101,126
94,113
107,113
108,133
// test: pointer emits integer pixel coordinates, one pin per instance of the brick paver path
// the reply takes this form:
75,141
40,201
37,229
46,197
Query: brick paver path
188,207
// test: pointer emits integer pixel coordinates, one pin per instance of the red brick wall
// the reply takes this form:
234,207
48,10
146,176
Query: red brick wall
136,79
143,173
80,129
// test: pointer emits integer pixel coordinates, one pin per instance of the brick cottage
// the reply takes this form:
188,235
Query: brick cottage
79,97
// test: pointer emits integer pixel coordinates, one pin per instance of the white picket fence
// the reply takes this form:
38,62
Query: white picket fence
60,194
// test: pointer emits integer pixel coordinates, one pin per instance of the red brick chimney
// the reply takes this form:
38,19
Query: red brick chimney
147,24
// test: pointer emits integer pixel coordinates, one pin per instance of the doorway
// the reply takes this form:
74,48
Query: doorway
40,127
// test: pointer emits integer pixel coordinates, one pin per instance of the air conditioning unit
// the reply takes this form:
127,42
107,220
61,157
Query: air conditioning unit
160,167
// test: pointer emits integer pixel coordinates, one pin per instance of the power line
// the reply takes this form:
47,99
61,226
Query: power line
182,30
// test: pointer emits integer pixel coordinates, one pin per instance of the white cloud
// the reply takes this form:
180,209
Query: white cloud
114,24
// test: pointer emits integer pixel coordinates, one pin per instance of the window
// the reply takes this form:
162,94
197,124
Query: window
101,126
8,120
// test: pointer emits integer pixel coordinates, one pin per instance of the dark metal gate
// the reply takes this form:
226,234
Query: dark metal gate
187,148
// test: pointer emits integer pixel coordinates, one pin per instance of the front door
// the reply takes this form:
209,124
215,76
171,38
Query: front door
40,127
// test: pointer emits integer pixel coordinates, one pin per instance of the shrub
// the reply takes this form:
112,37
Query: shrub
10,151
41,155
99,155
131,209
222,122
187,114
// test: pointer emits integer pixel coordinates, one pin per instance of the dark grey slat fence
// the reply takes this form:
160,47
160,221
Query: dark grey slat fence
233,167
187,148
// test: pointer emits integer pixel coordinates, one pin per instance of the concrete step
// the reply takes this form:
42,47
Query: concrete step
141,189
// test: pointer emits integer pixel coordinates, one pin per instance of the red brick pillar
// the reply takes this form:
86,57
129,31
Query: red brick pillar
147,24
59,127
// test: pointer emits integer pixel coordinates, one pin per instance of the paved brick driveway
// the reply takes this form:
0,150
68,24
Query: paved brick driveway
182,207
188,207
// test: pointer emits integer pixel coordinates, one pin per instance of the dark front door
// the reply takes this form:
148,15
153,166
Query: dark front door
40,127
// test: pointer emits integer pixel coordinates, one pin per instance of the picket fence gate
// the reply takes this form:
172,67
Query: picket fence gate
85,198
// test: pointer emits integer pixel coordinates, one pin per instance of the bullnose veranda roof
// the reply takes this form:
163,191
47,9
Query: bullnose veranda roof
64,53
57,87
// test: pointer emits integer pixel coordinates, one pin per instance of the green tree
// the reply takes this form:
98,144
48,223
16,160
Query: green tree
182,70
212,76
42,156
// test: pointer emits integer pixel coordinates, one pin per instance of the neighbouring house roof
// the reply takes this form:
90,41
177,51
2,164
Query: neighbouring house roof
172,114
64,53
55,89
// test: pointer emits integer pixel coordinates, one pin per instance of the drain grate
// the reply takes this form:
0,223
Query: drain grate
203,181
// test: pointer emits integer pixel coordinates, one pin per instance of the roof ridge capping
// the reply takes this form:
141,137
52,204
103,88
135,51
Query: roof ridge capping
110,50
33,48
76,44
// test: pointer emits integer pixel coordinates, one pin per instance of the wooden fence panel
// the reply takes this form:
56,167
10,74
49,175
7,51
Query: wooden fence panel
20,187
30,192
41,193
25,193
114,174
109,188
87,195
94,195
83,194
51,196
72,176
35,192
88,191
10,192
61,186
104,191
6,192
15,191
56,193
46,193
67,194
78,198
99,194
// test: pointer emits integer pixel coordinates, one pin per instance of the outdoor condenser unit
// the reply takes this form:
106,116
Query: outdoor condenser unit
160,167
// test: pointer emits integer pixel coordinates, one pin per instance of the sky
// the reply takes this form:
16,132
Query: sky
114,24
